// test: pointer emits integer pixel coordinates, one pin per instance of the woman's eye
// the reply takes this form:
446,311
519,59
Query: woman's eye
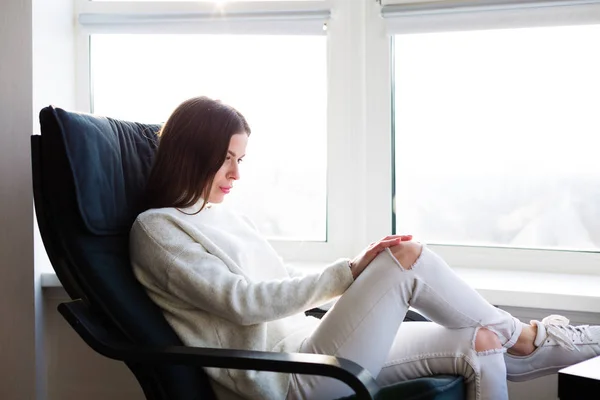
240,161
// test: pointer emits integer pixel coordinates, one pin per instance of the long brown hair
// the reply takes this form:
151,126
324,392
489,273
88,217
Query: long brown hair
192,146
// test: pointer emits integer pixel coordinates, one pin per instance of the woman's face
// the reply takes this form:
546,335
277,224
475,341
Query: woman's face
229,171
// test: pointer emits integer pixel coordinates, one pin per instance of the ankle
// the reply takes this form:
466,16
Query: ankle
524,345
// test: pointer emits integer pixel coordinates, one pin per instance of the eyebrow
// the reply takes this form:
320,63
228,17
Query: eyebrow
233,154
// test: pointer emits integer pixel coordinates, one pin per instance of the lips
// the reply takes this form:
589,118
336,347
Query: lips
225,189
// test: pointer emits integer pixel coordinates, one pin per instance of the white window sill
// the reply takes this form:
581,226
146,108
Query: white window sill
554,291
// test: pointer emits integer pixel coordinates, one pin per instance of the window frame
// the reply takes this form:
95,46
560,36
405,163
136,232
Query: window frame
423,17
346,119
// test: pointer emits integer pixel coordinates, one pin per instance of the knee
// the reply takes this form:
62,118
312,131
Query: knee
486,340
407,253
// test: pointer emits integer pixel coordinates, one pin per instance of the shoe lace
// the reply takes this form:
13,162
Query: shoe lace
558,328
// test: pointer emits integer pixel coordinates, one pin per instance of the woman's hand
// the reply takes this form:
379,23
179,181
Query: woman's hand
360,262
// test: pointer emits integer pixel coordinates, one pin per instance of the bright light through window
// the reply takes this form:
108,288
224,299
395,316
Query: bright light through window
277,82
497,137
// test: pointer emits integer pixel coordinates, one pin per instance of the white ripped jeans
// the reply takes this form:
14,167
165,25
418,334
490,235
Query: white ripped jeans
365,326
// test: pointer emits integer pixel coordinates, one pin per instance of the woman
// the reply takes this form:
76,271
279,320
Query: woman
220,284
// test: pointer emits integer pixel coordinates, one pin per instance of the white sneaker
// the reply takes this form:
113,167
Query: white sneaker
558,345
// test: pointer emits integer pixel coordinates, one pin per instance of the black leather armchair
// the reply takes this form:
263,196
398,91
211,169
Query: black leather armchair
88,174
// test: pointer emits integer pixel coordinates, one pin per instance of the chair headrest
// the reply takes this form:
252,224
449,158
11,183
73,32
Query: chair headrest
110,161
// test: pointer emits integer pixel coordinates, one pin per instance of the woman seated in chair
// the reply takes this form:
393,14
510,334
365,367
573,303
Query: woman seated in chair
220,284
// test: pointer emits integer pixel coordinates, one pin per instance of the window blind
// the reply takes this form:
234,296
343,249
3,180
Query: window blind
439,16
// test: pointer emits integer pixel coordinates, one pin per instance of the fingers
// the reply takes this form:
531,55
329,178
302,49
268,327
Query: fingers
386,239
389,241
375,248
385,243
402,237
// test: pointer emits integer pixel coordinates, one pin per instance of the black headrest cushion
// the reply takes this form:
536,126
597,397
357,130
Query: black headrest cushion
110,160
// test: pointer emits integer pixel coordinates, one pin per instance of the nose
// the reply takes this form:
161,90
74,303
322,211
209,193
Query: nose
234,172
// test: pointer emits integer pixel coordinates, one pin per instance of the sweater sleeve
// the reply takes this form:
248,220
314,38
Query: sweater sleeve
293,271
203,280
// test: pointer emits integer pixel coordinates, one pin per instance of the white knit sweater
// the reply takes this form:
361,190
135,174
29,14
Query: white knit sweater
220,284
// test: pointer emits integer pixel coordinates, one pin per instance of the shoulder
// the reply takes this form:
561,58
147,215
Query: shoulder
157,224
155,216
162,232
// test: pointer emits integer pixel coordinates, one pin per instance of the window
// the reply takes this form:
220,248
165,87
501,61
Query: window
272,80
494,137
494,131
284,64
268,59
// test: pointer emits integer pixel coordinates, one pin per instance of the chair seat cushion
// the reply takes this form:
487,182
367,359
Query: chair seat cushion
441,387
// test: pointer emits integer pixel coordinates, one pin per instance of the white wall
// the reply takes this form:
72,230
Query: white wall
53,74
53,56
23,91
18,284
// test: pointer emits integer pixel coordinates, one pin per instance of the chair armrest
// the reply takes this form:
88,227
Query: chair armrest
409,317
414,316
112,344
